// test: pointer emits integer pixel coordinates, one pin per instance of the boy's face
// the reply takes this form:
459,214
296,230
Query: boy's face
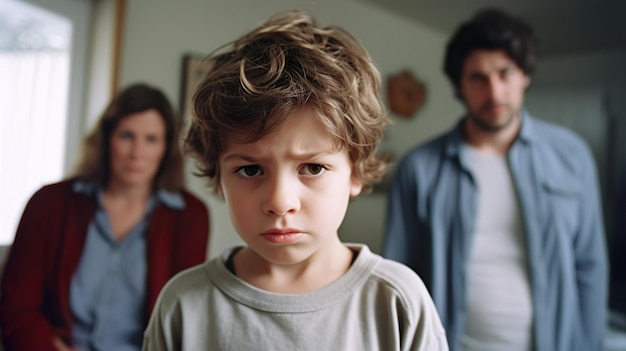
288,193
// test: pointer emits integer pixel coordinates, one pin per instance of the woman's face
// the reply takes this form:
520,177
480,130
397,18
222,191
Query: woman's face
137,146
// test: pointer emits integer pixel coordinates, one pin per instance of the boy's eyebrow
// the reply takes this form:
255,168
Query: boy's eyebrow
304,156
239,157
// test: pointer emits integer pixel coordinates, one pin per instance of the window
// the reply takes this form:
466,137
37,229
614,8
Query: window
38,113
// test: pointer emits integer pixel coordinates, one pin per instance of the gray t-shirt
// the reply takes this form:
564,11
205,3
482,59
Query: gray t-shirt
378,304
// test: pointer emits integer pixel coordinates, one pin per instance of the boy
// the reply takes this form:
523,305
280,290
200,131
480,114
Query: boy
286,128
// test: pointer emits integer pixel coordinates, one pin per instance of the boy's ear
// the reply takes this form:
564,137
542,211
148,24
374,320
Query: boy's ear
355,187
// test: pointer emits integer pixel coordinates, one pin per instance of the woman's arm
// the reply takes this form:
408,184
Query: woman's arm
24,327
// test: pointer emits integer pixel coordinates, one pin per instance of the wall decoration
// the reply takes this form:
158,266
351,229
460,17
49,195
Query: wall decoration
405,94
194,69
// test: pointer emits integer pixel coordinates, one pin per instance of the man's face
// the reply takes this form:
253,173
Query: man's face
492,87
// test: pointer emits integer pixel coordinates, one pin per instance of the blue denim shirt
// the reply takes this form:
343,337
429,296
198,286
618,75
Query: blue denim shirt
108,290
431,214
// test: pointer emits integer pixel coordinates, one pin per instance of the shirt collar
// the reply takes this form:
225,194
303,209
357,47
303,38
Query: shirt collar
526,134
171,199
527,130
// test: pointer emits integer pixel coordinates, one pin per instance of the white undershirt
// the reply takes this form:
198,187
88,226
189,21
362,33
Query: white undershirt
499,305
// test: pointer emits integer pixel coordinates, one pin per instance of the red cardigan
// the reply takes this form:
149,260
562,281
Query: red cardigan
34,300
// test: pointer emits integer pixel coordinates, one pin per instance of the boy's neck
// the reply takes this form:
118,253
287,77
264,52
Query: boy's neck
317,271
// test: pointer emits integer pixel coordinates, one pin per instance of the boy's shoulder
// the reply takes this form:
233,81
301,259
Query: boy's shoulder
398,288
185,284
396,278
397,274
400,278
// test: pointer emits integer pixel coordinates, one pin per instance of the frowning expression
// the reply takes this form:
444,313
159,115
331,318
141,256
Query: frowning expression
287,193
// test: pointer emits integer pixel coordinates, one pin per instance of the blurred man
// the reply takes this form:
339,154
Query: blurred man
501,216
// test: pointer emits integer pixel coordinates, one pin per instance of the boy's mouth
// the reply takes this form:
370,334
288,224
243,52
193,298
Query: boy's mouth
282,236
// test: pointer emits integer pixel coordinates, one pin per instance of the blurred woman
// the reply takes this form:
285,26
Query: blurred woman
92,252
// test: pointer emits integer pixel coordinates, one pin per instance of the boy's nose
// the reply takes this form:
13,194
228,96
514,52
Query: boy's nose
282,198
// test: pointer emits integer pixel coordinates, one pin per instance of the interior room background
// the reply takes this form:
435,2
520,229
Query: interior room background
126,41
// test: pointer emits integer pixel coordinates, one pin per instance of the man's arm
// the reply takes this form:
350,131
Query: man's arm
591,257
401,227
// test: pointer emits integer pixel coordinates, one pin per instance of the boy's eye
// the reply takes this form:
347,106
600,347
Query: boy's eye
313,169
249,171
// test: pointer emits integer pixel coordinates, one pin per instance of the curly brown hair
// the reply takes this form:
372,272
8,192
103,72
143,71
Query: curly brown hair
94,164
285,64
491,29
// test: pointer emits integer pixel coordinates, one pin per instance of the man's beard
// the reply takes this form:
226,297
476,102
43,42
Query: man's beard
486,126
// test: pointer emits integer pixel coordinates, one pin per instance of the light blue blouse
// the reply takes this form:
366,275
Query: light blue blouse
108,290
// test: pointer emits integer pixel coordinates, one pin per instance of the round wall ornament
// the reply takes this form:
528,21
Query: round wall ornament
405,94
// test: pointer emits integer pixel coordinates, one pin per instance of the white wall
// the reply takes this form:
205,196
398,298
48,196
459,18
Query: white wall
159,32
100,65
597,68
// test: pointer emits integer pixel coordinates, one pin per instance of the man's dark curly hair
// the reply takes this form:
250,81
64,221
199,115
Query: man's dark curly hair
491,29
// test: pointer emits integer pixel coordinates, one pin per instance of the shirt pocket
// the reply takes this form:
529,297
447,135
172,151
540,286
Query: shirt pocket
562,204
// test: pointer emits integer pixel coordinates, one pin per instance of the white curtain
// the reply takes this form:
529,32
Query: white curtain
33,117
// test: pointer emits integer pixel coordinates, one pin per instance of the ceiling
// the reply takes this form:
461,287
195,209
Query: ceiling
562,26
